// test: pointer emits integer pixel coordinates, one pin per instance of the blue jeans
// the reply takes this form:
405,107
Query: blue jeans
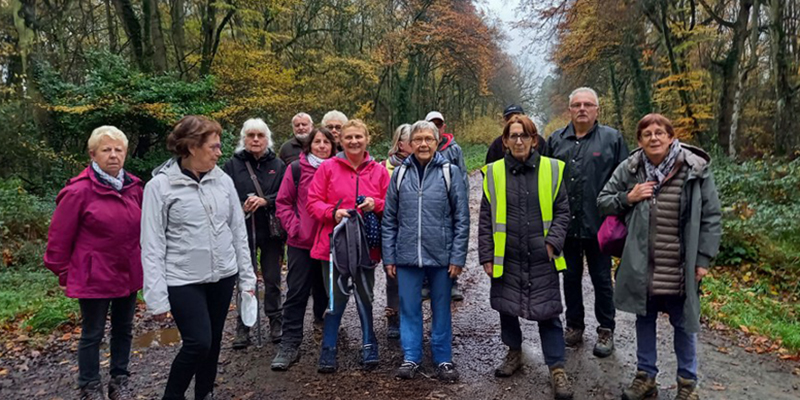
363,295
551,333
409,282
685,343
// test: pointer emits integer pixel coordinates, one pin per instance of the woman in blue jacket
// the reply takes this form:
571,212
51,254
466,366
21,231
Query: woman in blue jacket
425,232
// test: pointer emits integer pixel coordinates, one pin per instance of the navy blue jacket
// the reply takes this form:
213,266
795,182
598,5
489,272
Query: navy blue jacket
423,225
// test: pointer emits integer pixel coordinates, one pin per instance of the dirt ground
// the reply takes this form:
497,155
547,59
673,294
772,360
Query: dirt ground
726,371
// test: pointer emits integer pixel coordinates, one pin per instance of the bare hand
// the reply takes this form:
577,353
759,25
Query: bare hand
642,191
391,270
253,203
341,213
699,273
488,268
63,288
161,317
454,271
551,252
368,205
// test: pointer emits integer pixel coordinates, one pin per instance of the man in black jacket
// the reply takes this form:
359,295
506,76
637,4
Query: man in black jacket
497,150
592,152
302,125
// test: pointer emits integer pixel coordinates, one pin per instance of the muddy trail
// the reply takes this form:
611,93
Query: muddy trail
726,371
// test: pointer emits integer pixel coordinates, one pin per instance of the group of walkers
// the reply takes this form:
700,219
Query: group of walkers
193,233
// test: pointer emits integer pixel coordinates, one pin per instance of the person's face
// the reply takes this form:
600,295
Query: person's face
205,156
321,146
109,155
255,142
354,140
583,109
439,125
518,142
655,141
335,126
423,145
301,126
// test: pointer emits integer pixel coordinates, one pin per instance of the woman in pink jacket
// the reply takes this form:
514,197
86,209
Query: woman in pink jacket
93,248
305,274
334,189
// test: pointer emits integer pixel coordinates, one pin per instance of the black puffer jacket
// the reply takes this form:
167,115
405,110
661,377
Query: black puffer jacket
269,170
590,162
529,287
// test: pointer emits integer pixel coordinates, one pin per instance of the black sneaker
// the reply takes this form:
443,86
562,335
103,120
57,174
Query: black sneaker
275,329
327,361
573,337
287,355
407,370
446,372
118,388
92,391
393,326
242,339
456,294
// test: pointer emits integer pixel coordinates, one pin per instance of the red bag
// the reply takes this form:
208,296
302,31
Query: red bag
611,236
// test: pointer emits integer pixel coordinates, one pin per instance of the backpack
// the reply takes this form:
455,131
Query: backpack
296,172
350,252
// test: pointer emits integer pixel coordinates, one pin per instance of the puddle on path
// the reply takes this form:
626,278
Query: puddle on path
162,337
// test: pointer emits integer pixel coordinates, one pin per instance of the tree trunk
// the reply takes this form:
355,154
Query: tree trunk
134,32
780,76
177,15
207,32
752,64
113,42
157,36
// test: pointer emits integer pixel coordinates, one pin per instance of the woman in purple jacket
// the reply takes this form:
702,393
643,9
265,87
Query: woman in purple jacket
93,248
305,274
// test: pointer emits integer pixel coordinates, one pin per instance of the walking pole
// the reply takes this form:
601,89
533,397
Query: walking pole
330,276
255,270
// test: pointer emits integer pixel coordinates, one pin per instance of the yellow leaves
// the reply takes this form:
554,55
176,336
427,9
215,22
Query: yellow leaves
160,111
74,109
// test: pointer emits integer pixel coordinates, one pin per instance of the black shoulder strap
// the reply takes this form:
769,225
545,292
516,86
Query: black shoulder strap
296,171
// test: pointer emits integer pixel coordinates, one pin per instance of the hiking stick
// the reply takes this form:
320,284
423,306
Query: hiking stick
255,270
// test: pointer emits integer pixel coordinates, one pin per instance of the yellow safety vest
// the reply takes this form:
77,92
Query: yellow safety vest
551,172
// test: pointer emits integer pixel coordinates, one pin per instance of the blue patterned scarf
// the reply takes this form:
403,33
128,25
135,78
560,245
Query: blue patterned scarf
116,182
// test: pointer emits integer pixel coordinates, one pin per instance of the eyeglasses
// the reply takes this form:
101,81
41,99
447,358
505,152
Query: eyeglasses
659,134
334,127
429,140
525,138
587,105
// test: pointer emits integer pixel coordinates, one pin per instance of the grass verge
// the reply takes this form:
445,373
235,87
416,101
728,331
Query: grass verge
474,155
31,295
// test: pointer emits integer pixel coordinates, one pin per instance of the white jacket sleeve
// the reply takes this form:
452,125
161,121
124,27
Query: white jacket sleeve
154,248
247,278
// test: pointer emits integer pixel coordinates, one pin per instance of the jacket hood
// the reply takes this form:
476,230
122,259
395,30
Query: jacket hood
696,158
447,140
244,155
438,160
172,169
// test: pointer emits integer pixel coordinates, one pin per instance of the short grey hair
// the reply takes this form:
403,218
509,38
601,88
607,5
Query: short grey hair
334,115
302,115
420,126
585,89
254,124
401,134
111,132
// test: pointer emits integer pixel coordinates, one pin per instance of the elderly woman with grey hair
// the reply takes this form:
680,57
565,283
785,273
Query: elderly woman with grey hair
333,121
254,157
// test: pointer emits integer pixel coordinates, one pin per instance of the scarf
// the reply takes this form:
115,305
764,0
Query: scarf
661,171
314,160
395,159
116,182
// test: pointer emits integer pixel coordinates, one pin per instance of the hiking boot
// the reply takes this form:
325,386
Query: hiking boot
511,364
318,325
393,326
275,329
369,356
573,337
642,387
562,389
242,339
407,370
687,389
456,294
92,391
605,343
327,361
287,355
446,372
118,388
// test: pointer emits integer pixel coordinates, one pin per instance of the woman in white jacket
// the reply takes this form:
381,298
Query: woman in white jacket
194,245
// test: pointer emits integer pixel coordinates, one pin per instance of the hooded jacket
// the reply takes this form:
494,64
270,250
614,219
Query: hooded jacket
291,207
424,225
192,232
700,231
269,171
453,153
93,240
336,180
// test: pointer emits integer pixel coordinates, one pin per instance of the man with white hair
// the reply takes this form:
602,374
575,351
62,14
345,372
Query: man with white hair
302,124
591,151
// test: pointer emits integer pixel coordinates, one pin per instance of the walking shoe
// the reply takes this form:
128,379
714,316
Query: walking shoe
275,329
118,388
369,356
456,294
407,370
327,361
393,326
242,339
642,387
446,372
92,391
511,364
687,389
287,355
318,325
562,389
605,343
573,337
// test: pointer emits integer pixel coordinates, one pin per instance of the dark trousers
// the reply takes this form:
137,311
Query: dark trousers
551,333
304,278
684,343
363,293
600,272
199,311
93,326
271,252
392,295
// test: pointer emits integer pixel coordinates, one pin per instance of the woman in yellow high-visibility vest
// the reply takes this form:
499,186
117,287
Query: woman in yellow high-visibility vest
523,225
